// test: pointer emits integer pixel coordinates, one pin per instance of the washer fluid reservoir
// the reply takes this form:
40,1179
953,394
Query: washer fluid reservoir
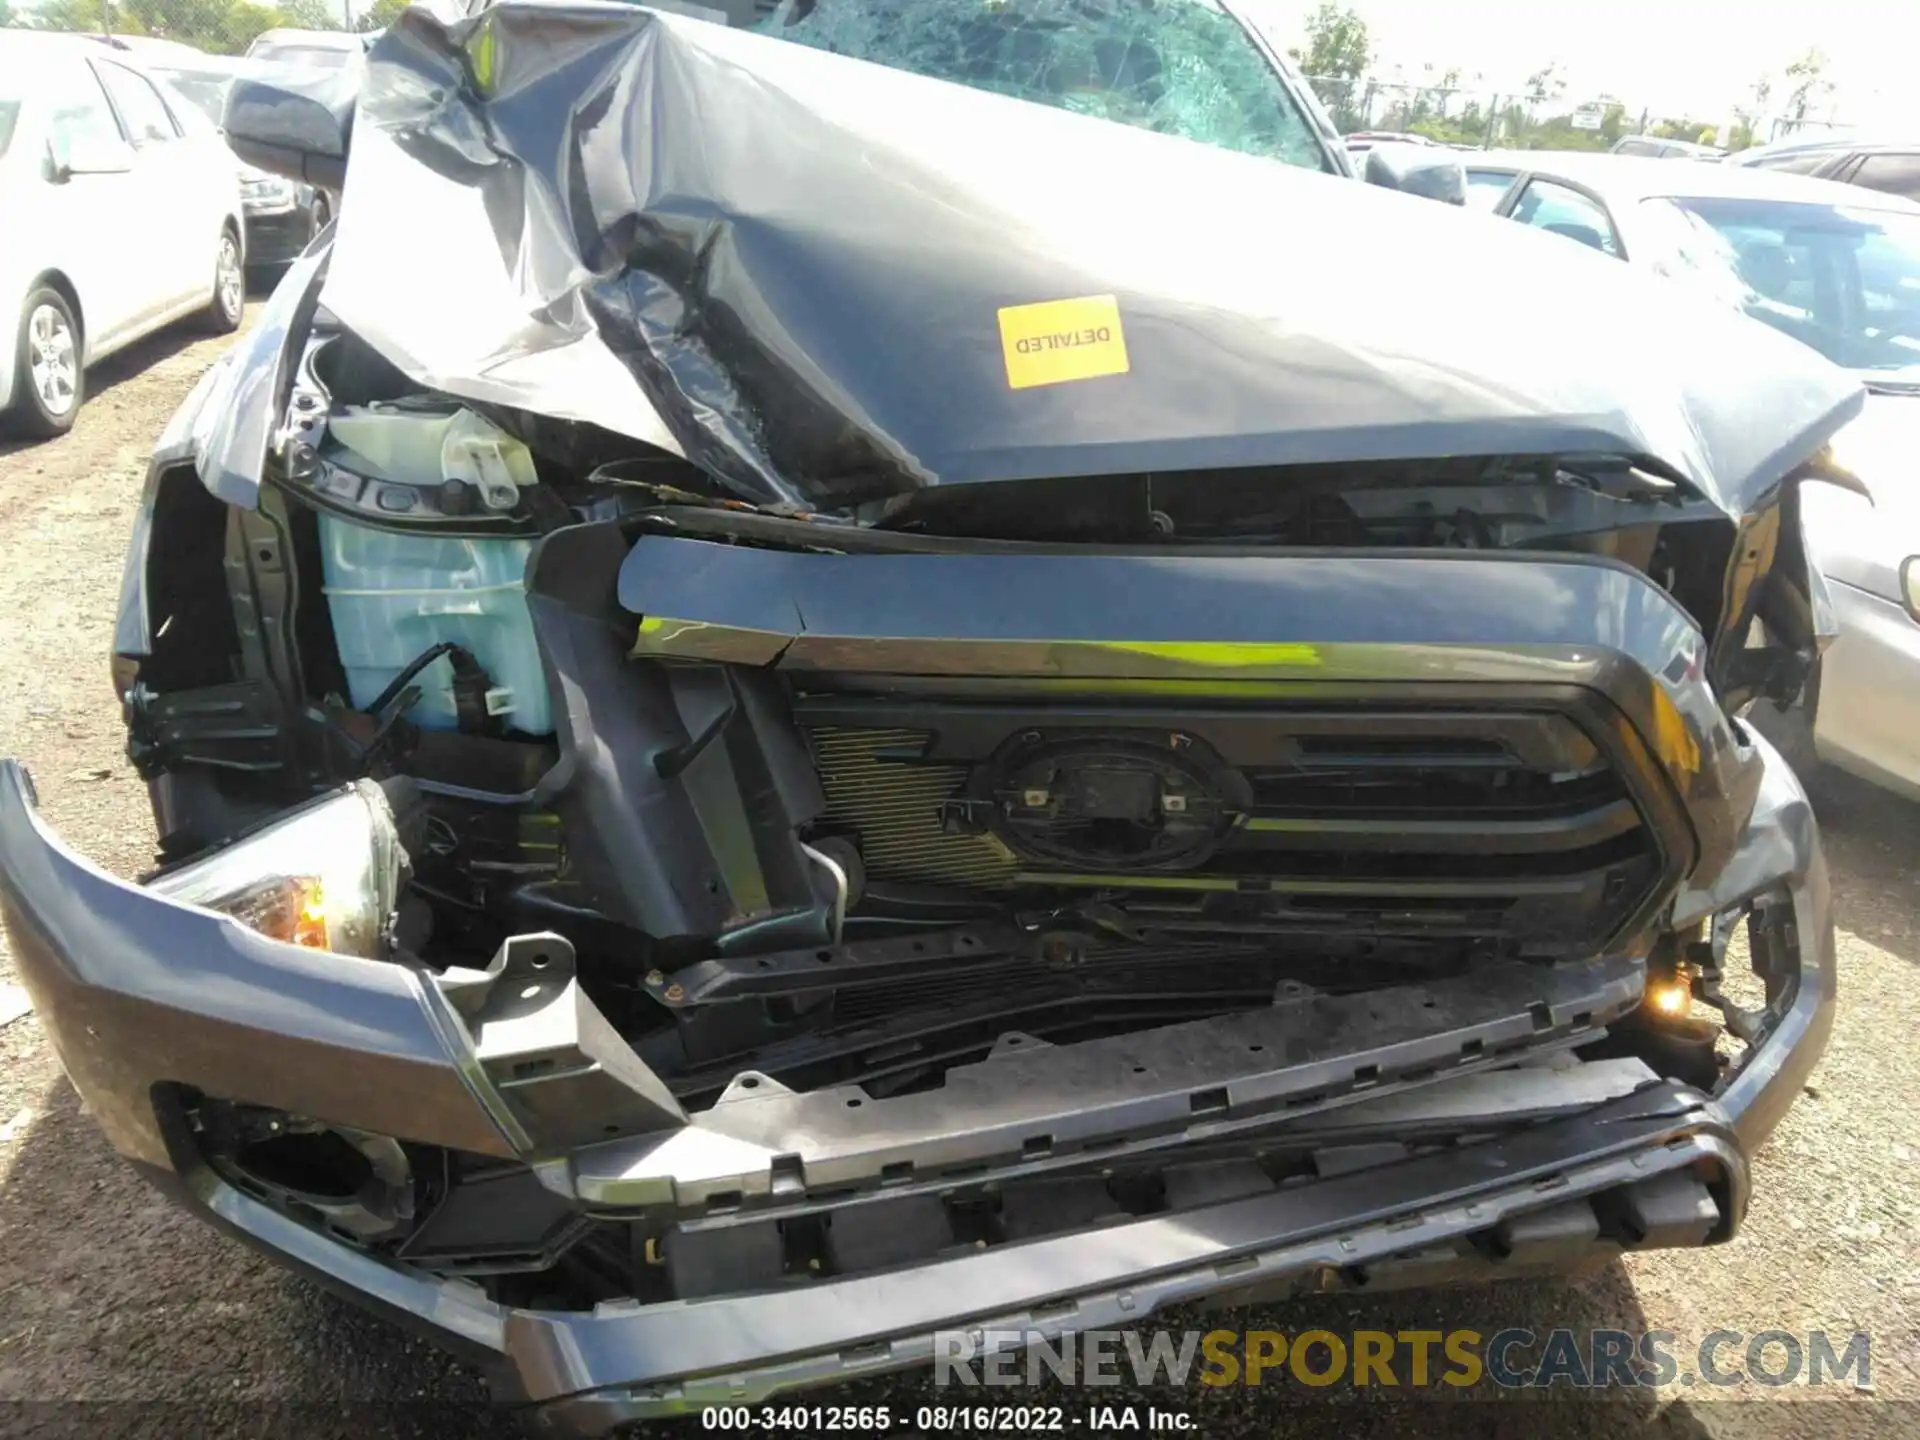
393,595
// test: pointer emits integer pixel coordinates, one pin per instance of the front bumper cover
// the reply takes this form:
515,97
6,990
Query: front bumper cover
140,995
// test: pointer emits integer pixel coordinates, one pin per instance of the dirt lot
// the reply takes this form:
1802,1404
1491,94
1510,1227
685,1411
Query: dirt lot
109,1295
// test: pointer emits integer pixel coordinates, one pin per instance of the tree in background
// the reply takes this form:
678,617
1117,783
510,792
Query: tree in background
221,26
218,26
315,14
1696,132
1746,118
1544,85
1807,86
1335,57
1802,85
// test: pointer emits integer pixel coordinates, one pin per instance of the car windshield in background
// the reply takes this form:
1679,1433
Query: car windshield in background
309,55
205,90
1179,67
1845,281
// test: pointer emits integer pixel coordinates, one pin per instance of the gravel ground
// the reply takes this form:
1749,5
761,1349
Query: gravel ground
111,1296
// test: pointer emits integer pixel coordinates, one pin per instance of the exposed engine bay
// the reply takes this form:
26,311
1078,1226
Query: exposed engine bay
856,873
1408,837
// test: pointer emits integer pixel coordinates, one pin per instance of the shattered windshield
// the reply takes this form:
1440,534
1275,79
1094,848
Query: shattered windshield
1179,67
1845,281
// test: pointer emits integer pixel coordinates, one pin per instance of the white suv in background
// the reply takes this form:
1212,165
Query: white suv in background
324,49
122,212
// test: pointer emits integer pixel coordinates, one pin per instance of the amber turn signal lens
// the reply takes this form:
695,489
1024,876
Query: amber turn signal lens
1669,996
325,877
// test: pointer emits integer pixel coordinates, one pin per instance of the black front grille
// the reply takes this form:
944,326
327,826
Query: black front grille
892,804
1517,827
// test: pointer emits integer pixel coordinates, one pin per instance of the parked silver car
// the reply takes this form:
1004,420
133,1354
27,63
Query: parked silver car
1838,268
1655,147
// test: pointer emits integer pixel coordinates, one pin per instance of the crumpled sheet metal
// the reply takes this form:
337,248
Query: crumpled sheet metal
790,267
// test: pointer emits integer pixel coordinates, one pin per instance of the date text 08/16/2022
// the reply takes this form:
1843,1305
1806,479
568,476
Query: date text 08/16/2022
930,1419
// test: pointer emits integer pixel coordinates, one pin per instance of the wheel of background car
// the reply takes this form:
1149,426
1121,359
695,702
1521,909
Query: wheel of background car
229,286
49,383
321,215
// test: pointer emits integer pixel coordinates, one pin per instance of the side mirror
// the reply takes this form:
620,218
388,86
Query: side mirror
1429,172
87,156
296,126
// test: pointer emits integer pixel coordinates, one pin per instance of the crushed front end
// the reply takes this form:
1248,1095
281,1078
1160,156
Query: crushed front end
680,933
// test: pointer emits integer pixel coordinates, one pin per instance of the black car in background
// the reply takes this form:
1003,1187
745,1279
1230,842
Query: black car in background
1891,166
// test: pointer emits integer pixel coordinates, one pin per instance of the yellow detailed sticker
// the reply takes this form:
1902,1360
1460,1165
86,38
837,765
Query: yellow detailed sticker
1060,340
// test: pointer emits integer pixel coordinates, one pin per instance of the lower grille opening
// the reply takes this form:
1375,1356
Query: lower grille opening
322,1164
1118,869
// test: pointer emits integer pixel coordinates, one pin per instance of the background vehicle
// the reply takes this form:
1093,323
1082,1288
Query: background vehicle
326,49
1838,269
1652,147
282,215
121,211
1892,166
151,50
1359,142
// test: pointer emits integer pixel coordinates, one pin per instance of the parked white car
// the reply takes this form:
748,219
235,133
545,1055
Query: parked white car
122,213
325,49
1837,267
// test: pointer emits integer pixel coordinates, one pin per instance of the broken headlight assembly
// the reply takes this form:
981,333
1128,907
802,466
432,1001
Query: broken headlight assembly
325,877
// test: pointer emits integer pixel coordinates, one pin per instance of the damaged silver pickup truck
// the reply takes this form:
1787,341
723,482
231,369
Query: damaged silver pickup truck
789,706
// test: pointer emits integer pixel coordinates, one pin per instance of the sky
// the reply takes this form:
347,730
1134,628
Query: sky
1694,58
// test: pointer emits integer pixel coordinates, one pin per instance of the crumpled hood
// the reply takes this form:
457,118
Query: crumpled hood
812,276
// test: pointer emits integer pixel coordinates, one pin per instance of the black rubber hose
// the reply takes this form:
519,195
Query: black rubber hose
470,685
